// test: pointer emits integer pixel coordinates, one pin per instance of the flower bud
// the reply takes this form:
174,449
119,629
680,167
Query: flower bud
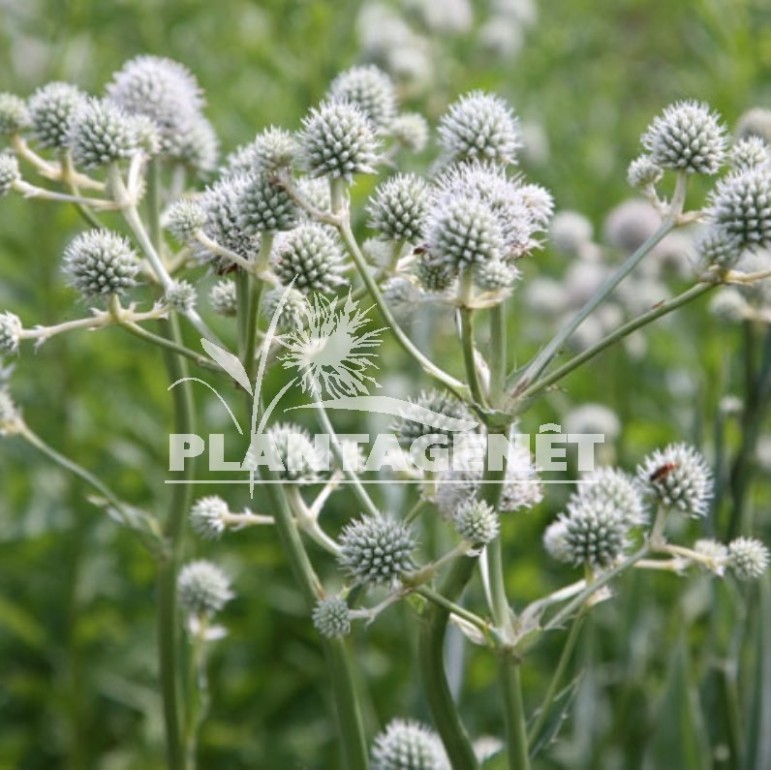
222,298
477,522
181,296
14,116
332,617
183,219
51,110
206,517
748,558
101,263
408,744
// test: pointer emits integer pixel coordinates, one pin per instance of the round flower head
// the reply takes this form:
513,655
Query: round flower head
750,152
338,141
207,517
539,202
719,248
221,207
181,296
477,522
51,109
408,744
594,533
441,404
756,122
101,133
479,126
629,224
679,477
570,232
194,144
619,490
183,219
101,263
495,276
270,151
9,172
332,617
311,255
741,206
463,230
291,447
14,116
316,192
10,333
643,172
222,298
748,558
730,304
714,552
398,208
410,130
687,136
402,296
203,588
265,207
434,273
370,89
555,543
376,550
294,307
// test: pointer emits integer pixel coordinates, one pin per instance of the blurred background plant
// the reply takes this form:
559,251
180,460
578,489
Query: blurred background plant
661,683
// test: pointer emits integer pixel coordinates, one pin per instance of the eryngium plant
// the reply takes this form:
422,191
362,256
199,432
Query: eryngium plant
275,224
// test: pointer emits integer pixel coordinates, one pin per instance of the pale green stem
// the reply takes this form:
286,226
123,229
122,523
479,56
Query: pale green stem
498,351
467,340
197,692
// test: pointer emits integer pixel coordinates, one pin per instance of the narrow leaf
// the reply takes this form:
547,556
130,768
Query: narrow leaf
229,363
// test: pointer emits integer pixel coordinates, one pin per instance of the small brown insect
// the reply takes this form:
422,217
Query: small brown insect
662,471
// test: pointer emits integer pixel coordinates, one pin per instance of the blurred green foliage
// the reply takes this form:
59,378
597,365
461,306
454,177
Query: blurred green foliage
77,656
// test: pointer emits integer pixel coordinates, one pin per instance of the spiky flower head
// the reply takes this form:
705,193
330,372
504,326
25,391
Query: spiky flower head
332,617
207,517
479,126
619,490
14,116
265,206
438,405
594,533
376,549
337,140
183,219
10,417
370,89
310,254
9,172
741,206
294,307
203,588
271,150
750,152
718,247
643,172
687,136
679,477
51,109
181,296
410,130
434,273
463,230
715,554
291,448
539,202
222,209
748,558
756,122
495,276
222,298
10,333
398,208
194,143
570,232
101,133
408,744
402,296
101,263
555,542
477,522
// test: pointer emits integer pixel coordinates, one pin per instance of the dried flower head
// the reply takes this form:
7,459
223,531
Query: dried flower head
203,588
332,617
101,263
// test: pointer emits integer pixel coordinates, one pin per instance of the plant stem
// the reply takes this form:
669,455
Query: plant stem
168,344
498,352
514,712
254,293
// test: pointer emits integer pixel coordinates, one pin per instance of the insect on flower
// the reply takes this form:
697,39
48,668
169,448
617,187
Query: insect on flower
662,471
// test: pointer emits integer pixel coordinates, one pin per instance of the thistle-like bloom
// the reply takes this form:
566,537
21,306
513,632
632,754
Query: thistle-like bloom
271,150
183,219
265,206
756,122
410,130
207,517
741,206
679,477
539,202
10,333
688,136
408,744
479,126
370,89
495,276
433,273
312,256
440,404
221,204
594,532
291,446
750,152
332,617
294,307
748,558
9,172
222,298
718,247
203,588
398,208
643,172
402,296
619,490
338,141
555,542
376,550
181,296
51,109
477,522
194,143
14,115
101,263
101,133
